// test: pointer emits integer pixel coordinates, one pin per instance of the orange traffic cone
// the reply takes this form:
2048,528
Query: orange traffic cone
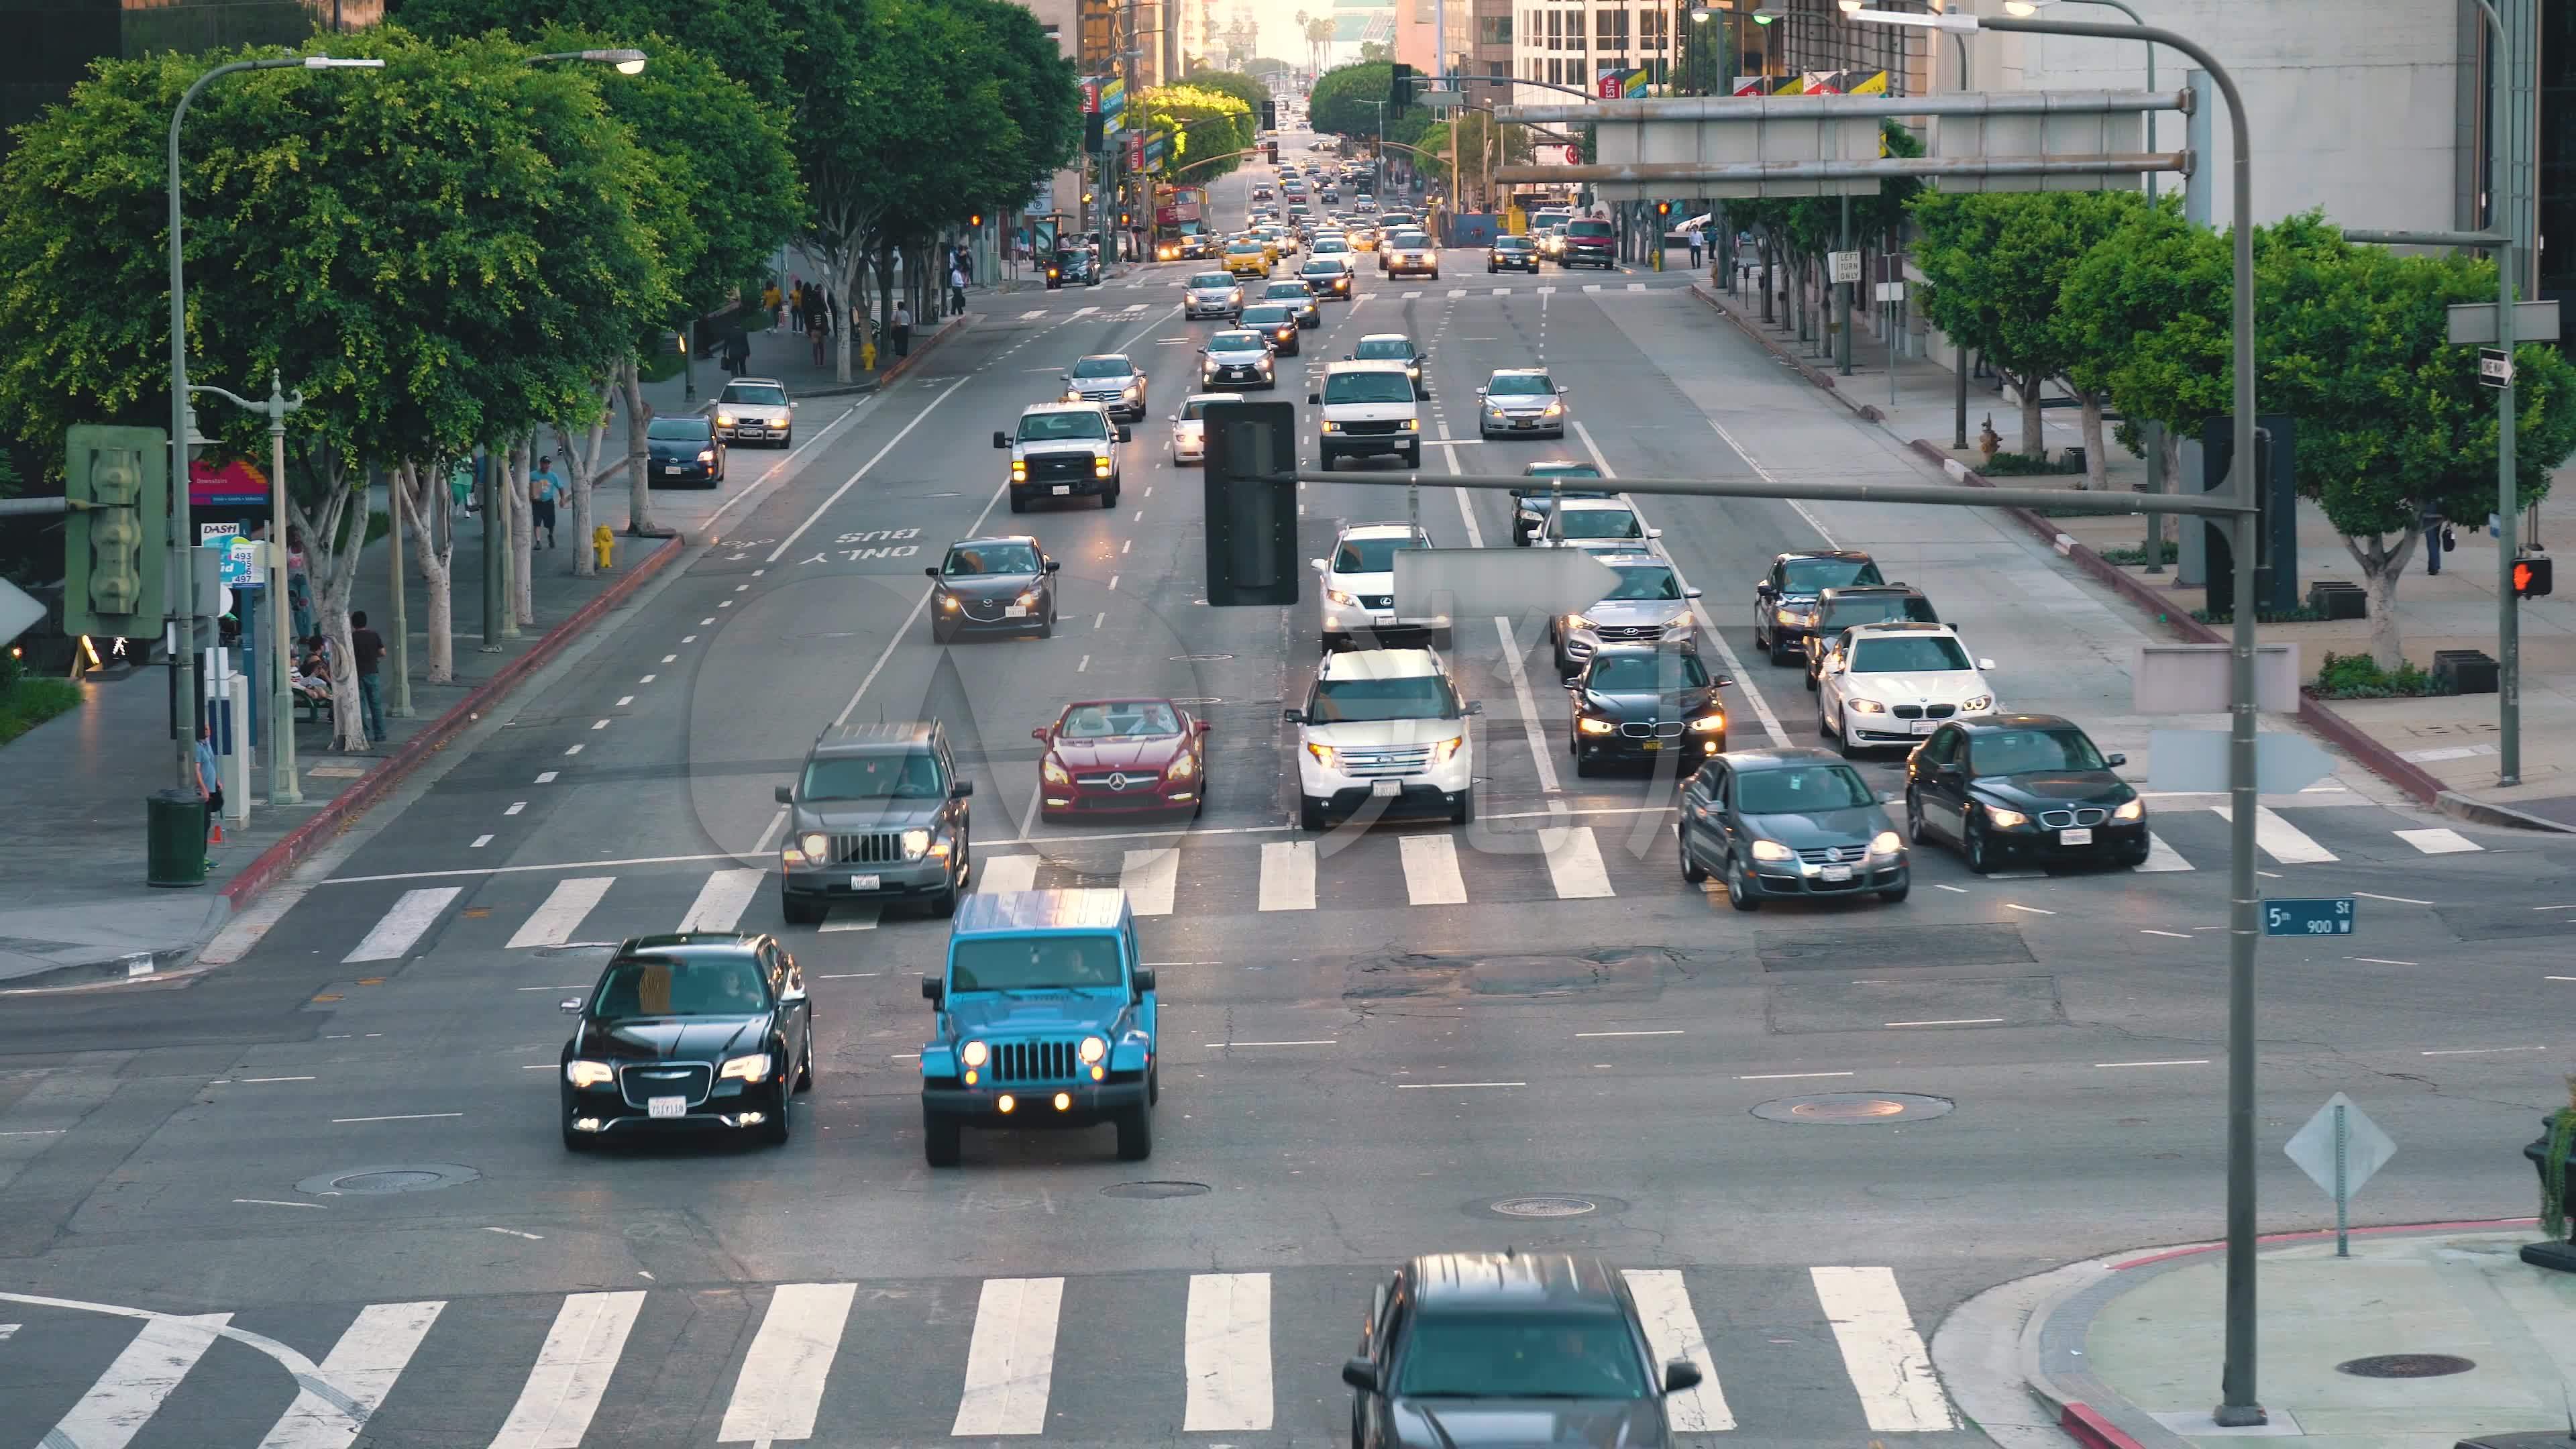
218,837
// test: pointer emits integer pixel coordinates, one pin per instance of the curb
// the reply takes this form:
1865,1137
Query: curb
1811,373
896,370
345,807
2487,812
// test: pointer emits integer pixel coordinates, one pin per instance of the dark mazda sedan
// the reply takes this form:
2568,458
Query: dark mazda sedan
1470,1350
992,586
1792,822
703,1029
2012,787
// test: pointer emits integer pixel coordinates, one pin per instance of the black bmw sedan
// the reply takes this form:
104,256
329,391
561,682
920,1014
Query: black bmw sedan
2010,787
707,1030
1635,702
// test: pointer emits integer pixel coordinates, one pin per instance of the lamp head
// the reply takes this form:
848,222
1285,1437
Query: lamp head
334,62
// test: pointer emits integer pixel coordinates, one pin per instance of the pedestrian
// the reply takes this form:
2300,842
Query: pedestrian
369,648
299,581
815,321
901,328
1699,243
737,353
796,305
210,780
957,287
769,301
545,488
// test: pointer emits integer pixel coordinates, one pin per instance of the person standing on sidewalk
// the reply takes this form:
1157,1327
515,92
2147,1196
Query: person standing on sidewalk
299,583
1699,244
369,647
956,286
210,780
796,304
901,327
544,489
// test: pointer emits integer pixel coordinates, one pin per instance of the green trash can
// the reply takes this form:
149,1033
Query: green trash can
175,849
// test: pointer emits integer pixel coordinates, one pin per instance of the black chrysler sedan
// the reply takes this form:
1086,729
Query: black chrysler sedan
1468,1350
702,1029
1638,701
993,586
1792,822
684,448
2009,787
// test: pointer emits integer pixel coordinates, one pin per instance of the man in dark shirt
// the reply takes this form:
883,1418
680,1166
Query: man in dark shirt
368,647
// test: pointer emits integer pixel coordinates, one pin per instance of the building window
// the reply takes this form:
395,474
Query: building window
1493,30
1650,28
1610,30
1555,30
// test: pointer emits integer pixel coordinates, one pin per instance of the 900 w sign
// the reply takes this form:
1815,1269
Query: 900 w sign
2317,916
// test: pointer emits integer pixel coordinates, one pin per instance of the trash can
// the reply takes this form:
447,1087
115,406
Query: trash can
175,839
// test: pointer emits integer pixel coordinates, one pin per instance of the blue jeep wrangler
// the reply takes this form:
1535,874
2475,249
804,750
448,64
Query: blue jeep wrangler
1043,1019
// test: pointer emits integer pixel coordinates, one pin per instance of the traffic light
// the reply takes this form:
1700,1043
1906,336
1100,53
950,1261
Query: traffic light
977,220
1270,115
1251,503
1126,219
1663,209
1095,133
1274,152
2531,576
1399,89
117,481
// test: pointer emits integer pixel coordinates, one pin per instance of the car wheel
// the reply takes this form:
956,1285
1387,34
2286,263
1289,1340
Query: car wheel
944,904
1739,892
1895,895
1564,666
1310,813
1018,503
1465,813
775,1131
942,1138
805,1069
1046,624
1914,815
1109,500
1136,1134
1979,850
577,1141
2134,858
801,912
1693,872
1582,763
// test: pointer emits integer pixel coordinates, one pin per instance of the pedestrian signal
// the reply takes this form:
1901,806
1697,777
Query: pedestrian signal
2531,578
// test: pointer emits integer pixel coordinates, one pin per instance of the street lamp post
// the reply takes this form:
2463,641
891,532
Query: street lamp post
2237,1406
282,786
178,586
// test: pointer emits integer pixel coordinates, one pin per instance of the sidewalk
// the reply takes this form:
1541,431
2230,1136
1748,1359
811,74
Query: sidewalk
77,784
2440,749
2125,1354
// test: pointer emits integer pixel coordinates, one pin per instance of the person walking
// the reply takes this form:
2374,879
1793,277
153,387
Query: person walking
901,328
769,301
210,780
796,304
737,353
299,582
816,319
369,647
956,286
1699,243
545,488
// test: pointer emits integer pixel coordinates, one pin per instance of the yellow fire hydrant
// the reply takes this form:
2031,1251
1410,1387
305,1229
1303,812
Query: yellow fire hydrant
603,542
867,357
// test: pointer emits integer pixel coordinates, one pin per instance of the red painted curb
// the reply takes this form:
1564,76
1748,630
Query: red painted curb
300,842
2093,1431
2462,1225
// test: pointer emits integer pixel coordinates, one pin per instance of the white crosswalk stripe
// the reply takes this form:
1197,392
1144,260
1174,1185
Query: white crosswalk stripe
1011,1361
401,928
1672,1328
2438,840
781,1384
360,1371
1547,291
1457,292
1574,862
1881,1350
554,923
131,1391
1431,875
1002,874
1502,291
1288,875
720,903
1033,314
1412,295
1084,311
2161,856
1149,878
562,1393
1592,286
2279,839
1225,1351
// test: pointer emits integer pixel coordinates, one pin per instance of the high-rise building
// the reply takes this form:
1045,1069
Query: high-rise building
53,42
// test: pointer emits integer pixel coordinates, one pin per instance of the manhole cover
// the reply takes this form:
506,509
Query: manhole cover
2405,1366
408,1177
1152,1190
1544,1207
1850,1108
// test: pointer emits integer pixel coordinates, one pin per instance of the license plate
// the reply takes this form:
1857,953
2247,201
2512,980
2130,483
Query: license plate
1015,611
1524,422
1381,618
1652,745
2080,835
1061,489
864,882
751,432
674,468
1386,788
1838,872
667,1106
1922,726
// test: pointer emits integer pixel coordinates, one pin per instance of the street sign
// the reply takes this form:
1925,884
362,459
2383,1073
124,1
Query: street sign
2339,1149
2195,762
1891,292
1846,266
2495,367
18,612
1511,582
2308,916
2473,322
208,532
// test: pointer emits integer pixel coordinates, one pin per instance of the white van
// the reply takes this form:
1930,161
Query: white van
1368,409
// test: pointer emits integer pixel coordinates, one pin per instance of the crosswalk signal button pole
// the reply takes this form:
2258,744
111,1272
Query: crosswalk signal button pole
1251,503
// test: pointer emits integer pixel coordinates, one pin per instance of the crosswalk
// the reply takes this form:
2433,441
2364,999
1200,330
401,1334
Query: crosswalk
1621,854
1116,1358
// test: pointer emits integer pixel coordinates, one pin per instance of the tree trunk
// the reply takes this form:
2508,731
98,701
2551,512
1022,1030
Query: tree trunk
421,500
2095,465
2381,568
846,288
582,464
2034,440
331,562
639,471
523,607
2171,446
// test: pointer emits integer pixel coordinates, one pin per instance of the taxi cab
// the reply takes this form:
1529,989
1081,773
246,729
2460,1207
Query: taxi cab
1269,237
1247,257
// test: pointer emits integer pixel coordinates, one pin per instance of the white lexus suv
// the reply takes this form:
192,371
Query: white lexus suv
1892,684
1359,587
1383,730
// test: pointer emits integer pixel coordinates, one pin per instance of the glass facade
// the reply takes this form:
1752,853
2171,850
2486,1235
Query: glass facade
53,43
2556,178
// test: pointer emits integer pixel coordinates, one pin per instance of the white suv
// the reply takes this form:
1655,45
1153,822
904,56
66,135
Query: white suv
1599,525
1384,728
1359,587
1892,684
1368,408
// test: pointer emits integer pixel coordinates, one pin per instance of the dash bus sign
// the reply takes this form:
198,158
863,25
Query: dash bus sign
2315,916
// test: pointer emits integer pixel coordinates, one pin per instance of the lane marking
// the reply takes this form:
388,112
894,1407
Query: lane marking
1574,862
864,919
515,1233
2152,931
1442,1086
1288,875
2401,900
1661,1031
480,841
1225,1353
1312,1041
2177,1062
361,1368
1950,1021
722,899
1011,1359
563,1391
1672,1331
515,807
2160,857
2438,840
1882,1354
2279,839
554,922
132,1389
1002,874
273,1202
2384,961
1787,1076
1149,878
400,928
1765,475
781,1384
2478,1051
546,777
864,469
1431,875
399,1117
2031,910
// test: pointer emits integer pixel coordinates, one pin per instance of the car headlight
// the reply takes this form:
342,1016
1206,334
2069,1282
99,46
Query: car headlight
1553,409
749,1068
974,1054
816,845
1709,724
1578,621
1772,850
1093,1049
1446,750
2135,809
1346,600
1325,755
1100,467
2004,819
1886,842
1494,411
948,602
1331,427
589,1074
1019,471
1054,773
724,420
1865,706
706,455
1132,387
1596,726
916,843
1028,600
1978,705
1180,769
1795,613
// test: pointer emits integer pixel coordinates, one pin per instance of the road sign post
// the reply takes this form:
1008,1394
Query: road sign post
2339,1149
2308,916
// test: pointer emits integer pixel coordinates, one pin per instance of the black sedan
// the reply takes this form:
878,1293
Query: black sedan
2012,787
1638,702
1784,600
1002,585
707,1030
684,449
1512,253
1327,277
1792,822
1277,324
1471,1350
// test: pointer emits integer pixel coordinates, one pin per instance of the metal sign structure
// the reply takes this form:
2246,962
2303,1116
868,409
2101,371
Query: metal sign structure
2339,1149
1512,582
2309,916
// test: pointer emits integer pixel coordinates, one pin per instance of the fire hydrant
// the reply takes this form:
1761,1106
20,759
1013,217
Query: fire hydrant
603,542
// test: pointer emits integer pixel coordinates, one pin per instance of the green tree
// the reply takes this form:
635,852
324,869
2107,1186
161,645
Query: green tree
1202,124
1235,83
750,40
1482,146
1340,104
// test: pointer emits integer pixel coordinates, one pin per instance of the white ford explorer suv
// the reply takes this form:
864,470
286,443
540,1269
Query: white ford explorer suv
1894,683
1359,587
1384,730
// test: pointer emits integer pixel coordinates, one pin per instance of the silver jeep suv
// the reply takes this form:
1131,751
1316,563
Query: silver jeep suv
877,814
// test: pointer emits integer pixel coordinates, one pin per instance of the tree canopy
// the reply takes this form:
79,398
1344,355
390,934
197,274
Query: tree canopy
1202,123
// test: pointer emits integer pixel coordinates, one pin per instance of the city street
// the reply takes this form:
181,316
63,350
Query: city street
328,1180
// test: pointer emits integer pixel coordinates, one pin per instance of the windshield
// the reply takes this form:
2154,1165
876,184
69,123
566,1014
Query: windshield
990,558
1331,244
1598,523
1351,701
1646,581
1131,719
1412,241
2022,752
1812,575
1879,608
1268,317
679,429
1511,243
764,394
1321,267
1287,291
1521,384
1102,367
1369,555
1521,1357
1561,470
1917,654
1587,228
1237,342
1801,788
913,775
1212,280
1367,387
1396,348
1049,427
1034,963
649,986
1195,410
1647,674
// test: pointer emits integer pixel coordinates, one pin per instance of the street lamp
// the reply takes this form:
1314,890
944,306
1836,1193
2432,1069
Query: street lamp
627,62
2237,1406
178,586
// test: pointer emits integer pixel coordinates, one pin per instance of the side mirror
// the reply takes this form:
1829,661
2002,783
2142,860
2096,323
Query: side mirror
2115,761
1144,979
1985,664
1360,1374
783,795
791,996
1001,440
961,789
1654,533
1040,734
1126,434
1475,706
1318,565
1293,716
932,571
1690,593
1314,399
572,1005
1200,725
1350,357
1054,564
1680,1374
1574,682
932,991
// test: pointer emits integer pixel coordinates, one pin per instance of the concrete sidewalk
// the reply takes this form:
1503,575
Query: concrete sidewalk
2125,1353
2441,749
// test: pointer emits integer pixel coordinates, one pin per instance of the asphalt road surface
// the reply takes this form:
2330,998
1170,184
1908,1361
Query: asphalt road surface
315,1197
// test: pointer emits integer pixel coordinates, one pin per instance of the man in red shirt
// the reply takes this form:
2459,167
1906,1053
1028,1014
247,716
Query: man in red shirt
369,648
